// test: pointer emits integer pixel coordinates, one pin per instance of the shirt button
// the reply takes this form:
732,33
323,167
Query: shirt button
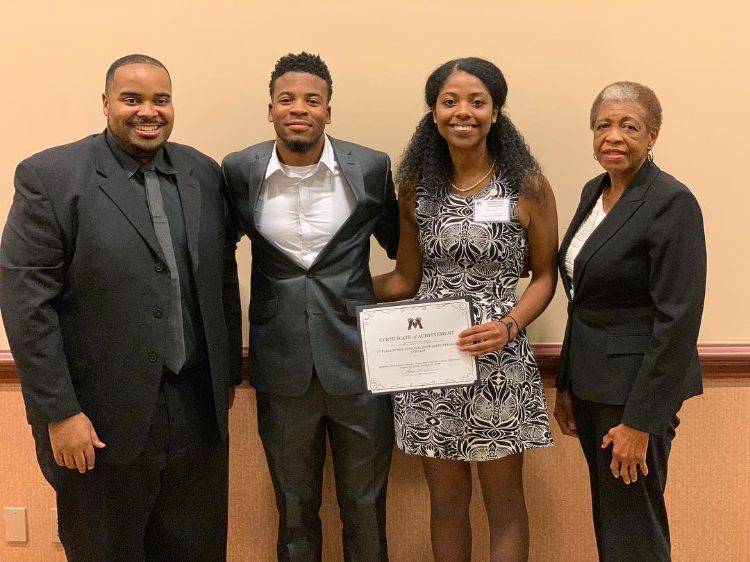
159,267
158,312
153,357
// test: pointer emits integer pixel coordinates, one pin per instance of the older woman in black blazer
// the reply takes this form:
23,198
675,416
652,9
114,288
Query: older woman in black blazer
633,265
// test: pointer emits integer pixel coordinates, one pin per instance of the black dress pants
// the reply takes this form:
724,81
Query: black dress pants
360,430
168,505
630,521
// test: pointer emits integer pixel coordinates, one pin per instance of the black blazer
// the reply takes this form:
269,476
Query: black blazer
639,283
83,283
300,319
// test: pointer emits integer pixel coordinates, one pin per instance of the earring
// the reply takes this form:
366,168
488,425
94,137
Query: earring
595,158
650,155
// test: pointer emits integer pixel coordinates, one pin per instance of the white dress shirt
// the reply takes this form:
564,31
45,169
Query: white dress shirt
300,208
593,219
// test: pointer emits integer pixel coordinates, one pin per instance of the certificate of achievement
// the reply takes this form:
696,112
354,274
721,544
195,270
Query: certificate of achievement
412,344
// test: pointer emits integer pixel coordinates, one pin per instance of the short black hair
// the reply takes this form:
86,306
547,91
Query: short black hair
131,59
303,62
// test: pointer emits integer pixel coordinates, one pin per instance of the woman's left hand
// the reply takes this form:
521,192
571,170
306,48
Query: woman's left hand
564,413
628,452
483,338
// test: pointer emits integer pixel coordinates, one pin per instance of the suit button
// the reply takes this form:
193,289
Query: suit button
159,267
158,312
153,357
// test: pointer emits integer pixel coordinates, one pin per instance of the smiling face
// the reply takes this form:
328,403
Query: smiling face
621,138
299,112
464,111
138,106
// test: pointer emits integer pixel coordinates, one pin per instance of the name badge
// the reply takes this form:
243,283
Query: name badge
492,210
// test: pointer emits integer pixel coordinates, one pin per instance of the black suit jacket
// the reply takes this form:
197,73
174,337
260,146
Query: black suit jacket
300,319
639,283
84,286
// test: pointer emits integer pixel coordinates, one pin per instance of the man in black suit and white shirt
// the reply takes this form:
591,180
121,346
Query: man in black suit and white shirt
309,204
120,301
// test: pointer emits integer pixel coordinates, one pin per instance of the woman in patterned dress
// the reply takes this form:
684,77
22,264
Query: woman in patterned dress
465,151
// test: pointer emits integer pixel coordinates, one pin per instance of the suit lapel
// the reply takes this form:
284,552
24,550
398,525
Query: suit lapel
625,207
190,197
255,178
587,202
116,185
190,194
352,171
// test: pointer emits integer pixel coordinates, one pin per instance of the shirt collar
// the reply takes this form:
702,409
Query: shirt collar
131,166
327,159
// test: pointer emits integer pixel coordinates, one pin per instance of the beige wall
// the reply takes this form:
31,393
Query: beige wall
556,56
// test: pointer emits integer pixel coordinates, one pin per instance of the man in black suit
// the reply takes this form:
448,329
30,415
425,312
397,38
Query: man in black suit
309,204
120,300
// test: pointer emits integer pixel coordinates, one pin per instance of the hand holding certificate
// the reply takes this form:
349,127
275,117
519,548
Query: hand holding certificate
412,344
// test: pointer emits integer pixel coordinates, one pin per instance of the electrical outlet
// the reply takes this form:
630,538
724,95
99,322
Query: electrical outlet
53,529
15,524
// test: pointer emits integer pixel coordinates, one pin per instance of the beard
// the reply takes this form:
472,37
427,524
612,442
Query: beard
297,146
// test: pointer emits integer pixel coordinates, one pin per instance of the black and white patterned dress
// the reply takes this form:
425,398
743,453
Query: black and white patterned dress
507,412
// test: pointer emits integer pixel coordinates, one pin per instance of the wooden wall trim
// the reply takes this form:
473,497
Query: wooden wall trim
7,366
717,360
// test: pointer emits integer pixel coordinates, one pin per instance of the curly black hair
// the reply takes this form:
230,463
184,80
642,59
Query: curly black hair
427,160
303,62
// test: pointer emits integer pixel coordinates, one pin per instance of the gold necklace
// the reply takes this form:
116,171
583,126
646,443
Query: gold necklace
465,189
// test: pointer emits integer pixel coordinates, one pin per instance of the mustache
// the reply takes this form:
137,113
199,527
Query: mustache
141,121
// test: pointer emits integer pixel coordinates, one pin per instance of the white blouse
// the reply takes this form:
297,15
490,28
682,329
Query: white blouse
593,219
